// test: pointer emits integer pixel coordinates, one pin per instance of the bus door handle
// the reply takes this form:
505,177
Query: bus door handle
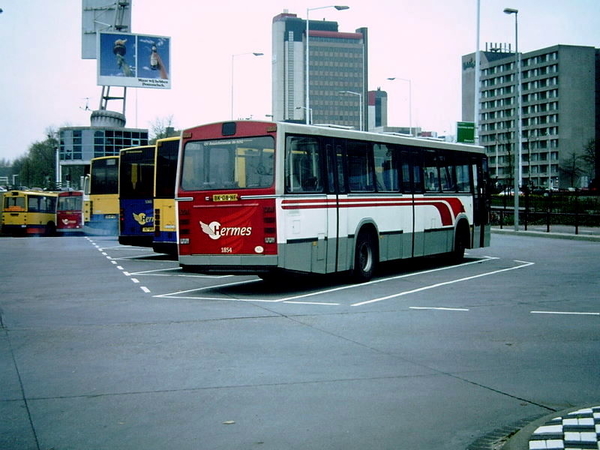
184,199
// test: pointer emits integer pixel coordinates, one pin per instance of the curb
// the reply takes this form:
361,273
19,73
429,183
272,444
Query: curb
543,234
521,439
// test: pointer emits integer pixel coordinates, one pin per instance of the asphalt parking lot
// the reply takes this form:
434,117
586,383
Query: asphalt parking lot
107,346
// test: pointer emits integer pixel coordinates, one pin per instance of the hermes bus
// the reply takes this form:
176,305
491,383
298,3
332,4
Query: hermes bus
69,212
262,198
29,213
165,221
104,196
136,191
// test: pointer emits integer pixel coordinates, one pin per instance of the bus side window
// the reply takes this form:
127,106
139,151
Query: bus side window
303,165
33,204
447,174
463,181
431,172
360,167
386,168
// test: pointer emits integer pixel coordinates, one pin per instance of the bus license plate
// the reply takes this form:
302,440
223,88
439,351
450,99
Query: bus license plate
225,197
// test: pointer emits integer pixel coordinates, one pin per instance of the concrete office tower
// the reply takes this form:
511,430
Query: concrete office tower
338,72
559,112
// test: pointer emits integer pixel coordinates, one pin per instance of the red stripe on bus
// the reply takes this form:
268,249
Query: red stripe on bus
448,207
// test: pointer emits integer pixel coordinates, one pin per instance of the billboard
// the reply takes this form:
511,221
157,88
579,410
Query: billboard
134,60
465,132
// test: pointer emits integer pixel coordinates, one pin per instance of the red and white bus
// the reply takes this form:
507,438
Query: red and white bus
262,198
69,212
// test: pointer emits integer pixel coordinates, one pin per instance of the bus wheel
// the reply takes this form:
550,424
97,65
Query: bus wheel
50,229
364,258
460,244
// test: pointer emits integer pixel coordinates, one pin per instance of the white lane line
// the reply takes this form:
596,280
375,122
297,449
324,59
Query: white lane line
382,280
313,303
180,294
438,308
145,289
143,272
135,280
138,256
446,283
567,313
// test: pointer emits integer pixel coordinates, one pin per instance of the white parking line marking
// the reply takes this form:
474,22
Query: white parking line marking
445,283
295,298
439,308
567,313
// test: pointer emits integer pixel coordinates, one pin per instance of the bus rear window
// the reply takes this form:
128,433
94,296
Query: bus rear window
14,203
228,164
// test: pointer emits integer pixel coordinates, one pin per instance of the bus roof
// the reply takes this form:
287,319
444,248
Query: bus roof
342,132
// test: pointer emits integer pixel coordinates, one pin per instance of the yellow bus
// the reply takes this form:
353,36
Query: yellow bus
165,219
104,196
29,213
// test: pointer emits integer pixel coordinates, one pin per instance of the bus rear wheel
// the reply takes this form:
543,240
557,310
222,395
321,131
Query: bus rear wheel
364,258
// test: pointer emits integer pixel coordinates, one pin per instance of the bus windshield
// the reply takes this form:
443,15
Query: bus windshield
137,173
70,203
245,163
104,176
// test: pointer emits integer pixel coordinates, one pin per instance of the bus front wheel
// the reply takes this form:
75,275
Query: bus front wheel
364,258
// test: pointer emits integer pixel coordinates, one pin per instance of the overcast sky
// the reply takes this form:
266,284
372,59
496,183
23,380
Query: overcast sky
45,82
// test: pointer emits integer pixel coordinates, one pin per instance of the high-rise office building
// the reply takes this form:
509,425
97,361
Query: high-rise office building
337,76
377,109
560,110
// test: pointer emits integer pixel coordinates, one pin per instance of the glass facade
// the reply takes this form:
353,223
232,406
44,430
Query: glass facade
83,144
78,145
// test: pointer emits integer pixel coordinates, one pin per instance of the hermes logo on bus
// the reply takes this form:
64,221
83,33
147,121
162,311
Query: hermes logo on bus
214,230
142,218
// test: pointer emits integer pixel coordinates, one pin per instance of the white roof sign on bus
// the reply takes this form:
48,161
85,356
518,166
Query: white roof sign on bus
134,60
102,15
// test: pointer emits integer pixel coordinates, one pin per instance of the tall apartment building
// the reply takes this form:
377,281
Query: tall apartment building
337,77
560,106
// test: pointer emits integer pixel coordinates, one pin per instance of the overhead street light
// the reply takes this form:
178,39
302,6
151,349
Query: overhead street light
232,73
518,172
308,113
360,105
307,77
409,101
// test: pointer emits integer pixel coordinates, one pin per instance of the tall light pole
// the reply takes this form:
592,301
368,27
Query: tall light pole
232,73
518,169
360,105
308,113
307,62
409,101
477,77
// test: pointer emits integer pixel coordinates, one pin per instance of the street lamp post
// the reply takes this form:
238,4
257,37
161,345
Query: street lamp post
232,73
360,105
307,77
308,113
409,101
518,169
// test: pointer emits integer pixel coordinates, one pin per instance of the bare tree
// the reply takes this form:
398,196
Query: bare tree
161,128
